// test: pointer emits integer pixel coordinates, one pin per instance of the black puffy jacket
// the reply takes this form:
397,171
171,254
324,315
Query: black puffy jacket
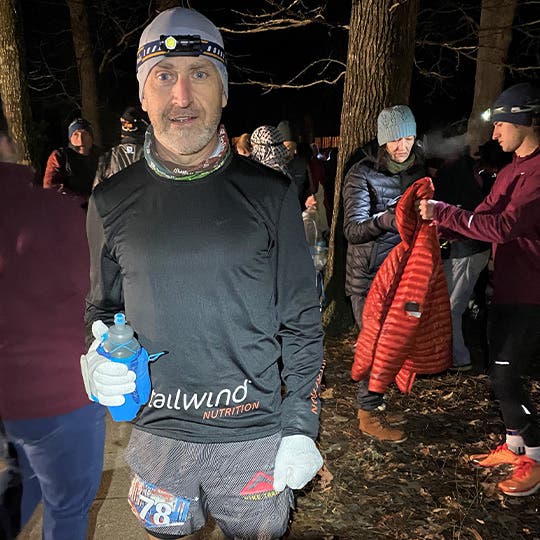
367,190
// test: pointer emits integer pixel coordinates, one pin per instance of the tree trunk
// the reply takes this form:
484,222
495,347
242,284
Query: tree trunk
13,86
494,36
85,65
379,71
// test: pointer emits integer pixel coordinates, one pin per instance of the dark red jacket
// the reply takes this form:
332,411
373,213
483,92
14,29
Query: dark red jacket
406,324
44,277
69,172
509,217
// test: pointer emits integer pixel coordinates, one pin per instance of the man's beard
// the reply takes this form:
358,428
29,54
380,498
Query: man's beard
189,139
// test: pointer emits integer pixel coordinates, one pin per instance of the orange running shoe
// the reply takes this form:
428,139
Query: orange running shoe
525,480
502,455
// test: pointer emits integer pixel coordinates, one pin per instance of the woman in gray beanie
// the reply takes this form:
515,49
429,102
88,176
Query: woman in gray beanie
386,168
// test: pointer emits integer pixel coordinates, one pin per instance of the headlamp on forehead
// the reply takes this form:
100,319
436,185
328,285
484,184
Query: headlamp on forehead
489,114
180,45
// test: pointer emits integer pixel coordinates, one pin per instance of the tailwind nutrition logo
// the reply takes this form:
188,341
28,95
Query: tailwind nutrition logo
225,402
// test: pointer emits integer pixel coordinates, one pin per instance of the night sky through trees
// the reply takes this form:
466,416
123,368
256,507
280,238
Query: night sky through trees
441,98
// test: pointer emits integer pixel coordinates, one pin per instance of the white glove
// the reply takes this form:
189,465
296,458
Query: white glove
297,462
103,378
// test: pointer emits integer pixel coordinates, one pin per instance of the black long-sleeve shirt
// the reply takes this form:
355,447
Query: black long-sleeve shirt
217,272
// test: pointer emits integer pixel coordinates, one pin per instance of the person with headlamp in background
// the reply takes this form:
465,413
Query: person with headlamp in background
509,218
205,252
130,148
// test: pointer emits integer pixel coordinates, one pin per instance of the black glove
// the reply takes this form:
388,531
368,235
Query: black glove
386,221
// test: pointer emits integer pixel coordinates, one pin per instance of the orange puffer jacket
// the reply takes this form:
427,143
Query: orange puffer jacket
406,323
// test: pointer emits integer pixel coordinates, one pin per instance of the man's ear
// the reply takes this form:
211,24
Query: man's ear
223,100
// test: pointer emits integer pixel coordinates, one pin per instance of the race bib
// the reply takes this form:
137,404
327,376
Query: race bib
155,507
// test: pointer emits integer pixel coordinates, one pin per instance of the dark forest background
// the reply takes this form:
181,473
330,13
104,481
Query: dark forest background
442,80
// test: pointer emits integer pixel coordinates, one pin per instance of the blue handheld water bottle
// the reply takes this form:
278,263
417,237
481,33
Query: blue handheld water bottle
121,346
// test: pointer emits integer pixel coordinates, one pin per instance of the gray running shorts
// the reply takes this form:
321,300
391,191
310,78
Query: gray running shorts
175,484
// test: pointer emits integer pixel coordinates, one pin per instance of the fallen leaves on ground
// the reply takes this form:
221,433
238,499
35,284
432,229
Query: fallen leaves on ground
422,489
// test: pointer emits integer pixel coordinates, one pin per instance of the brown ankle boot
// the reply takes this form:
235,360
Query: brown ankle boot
393,419
374,426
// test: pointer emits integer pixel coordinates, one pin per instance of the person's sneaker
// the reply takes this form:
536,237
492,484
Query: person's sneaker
524,480
373,425
501,455
461,368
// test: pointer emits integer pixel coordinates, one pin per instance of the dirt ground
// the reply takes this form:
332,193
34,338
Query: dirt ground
420,489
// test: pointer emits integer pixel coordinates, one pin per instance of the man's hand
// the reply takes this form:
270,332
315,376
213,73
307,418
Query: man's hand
426,208
297,462
105,381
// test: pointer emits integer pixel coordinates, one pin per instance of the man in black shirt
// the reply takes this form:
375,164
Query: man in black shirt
205,251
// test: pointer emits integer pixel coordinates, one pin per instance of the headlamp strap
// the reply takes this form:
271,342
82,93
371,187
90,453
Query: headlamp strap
488,114
515,109
185,45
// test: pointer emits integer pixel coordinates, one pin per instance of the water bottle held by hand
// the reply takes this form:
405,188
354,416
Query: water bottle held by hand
121,345
121,342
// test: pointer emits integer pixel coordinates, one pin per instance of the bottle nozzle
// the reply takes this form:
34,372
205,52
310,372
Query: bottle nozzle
119,319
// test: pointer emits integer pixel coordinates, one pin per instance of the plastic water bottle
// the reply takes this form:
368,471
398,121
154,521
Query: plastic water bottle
121,346
121,342
321,256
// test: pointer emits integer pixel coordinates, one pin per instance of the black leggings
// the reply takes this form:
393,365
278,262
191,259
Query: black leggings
514,345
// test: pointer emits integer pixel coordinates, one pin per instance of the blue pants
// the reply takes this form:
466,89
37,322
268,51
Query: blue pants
60,460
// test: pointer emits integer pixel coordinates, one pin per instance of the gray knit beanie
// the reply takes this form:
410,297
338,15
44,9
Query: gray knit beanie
180,32
395,122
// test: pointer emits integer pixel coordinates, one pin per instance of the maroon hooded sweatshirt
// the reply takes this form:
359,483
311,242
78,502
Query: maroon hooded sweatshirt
44,277
509,217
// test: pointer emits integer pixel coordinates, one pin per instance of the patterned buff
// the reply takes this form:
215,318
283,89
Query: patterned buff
268,149
186,174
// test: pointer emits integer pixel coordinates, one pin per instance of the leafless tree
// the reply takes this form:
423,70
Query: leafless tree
84,55
273,17
494,37
13,87
498,40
